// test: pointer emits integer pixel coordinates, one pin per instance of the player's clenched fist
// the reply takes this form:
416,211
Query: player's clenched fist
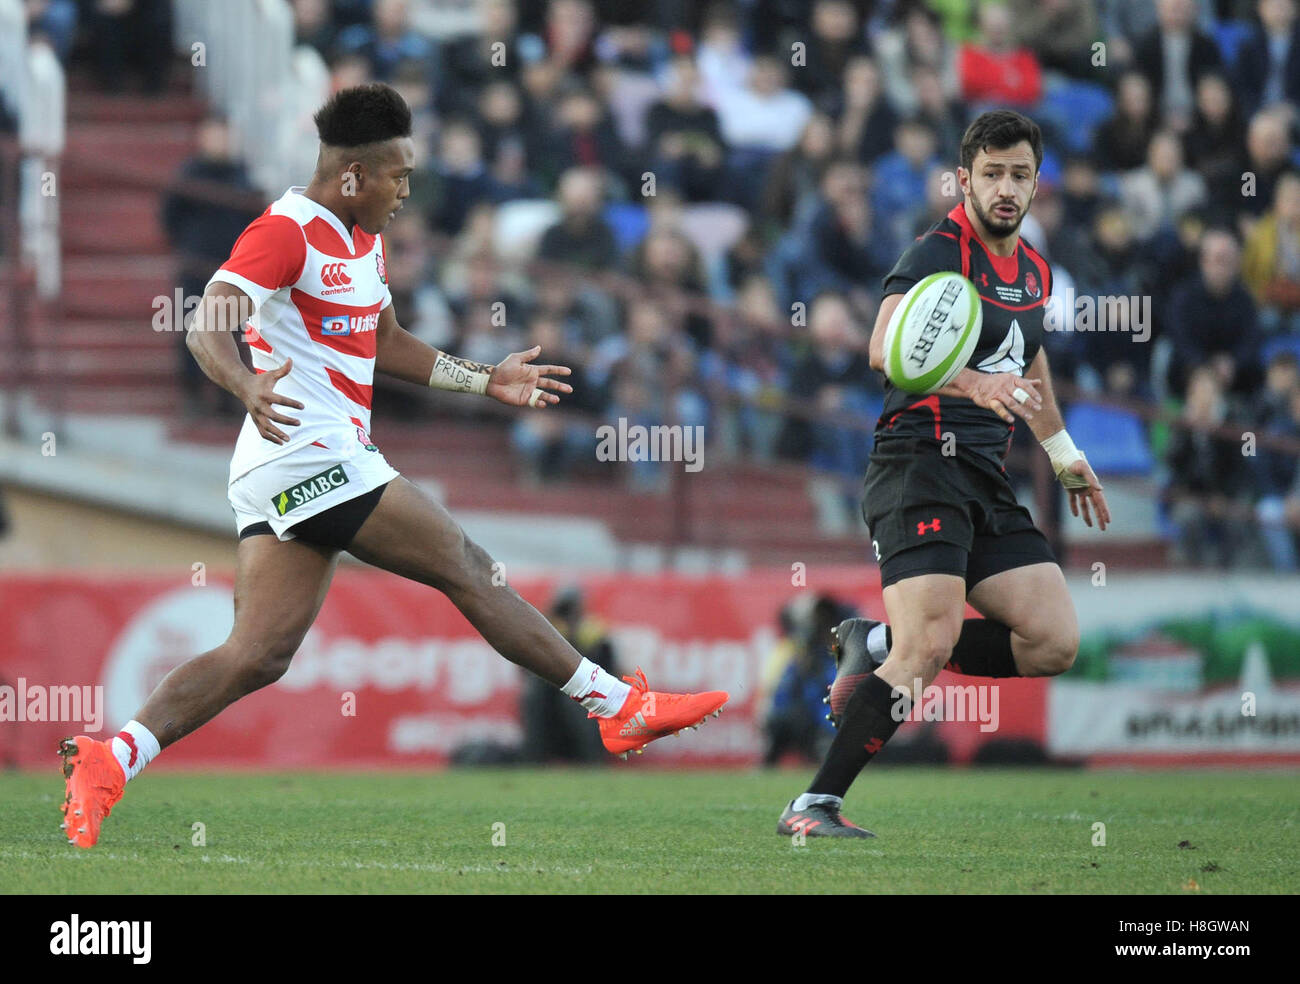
260,399
1005,393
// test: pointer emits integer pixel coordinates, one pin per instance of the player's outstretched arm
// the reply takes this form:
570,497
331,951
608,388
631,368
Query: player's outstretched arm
1068,462
210,339
514,381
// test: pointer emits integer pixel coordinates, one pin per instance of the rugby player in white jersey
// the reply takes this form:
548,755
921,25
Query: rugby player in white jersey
306,481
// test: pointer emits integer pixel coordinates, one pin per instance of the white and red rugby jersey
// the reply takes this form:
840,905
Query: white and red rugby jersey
317,293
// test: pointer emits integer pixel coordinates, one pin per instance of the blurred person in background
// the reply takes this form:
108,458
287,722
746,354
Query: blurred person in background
945,116
668,268
794,718
1160,193
1268,154
388,40
913,40
210,202
130,34
760,121
584,136
994,68
1215,145
1271,262
835,36
581,237
1059,32
844,247
1268,62
466,65
865,122
1211,320
1208,477
313,25
1277,413
555,727
549,445
790,192
899,183
1121,142
1174,55
683,137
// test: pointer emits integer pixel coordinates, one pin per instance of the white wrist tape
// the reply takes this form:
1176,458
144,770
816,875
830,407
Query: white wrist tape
1062,452
457,376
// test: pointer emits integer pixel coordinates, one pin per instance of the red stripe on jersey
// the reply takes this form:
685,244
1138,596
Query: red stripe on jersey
355,392
313,309
270,252
254,339
325,238
1006,267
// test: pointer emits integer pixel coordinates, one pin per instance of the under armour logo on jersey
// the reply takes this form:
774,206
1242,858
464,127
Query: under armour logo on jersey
335,275
984,279
923,528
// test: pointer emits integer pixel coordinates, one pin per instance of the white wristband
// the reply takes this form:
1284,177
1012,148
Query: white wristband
1060,448
458,375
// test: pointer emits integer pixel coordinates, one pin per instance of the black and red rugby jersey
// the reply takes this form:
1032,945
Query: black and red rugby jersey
1014,290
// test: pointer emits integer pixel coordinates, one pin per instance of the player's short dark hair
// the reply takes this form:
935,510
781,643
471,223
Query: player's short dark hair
1001,129
364,114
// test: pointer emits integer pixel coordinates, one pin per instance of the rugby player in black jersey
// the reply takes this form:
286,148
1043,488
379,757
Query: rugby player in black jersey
944,522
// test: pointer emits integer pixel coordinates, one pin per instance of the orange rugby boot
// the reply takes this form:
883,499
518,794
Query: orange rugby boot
648,714
95,781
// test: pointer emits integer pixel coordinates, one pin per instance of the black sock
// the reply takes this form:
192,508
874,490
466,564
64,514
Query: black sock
983,649
867,723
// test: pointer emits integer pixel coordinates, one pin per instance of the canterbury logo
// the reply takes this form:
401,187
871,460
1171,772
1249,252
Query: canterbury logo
634,726
335,275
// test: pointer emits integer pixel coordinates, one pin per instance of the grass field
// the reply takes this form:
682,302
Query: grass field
624,829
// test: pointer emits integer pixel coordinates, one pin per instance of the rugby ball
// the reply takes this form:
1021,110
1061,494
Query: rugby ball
933,332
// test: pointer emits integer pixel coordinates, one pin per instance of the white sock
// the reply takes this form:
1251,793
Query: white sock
134,747
596,690
806,800
876,642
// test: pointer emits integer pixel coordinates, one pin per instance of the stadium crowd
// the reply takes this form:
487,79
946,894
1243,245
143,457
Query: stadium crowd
733,179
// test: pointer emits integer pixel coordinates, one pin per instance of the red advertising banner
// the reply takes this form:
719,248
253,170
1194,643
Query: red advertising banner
391,674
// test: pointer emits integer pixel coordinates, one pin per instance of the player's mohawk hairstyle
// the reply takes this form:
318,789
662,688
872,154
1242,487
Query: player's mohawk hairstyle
364,114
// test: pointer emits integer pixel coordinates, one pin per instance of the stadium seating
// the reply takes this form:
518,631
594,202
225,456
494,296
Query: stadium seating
1115,440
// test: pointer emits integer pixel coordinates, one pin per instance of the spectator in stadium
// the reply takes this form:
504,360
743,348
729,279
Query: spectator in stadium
549,445
844,247
912,42
505,130
945,116
1271,263
127,36
899,179
581,236
1081,193
650,375
1268,62
570,35
1278,473
1268,154
1211,320
555,727
210,202
835,37
468,64
584,136
1158,194
1060,32
723,61
1207,477
1174,55
794,718
668,268
995,69
684,138
1215,145
766,117
1120,143
833,376
313,26
864,120
791,190
388,41
459,177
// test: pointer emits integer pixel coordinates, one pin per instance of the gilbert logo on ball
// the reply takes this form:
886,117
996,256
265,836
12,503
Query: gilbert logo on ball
933,332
